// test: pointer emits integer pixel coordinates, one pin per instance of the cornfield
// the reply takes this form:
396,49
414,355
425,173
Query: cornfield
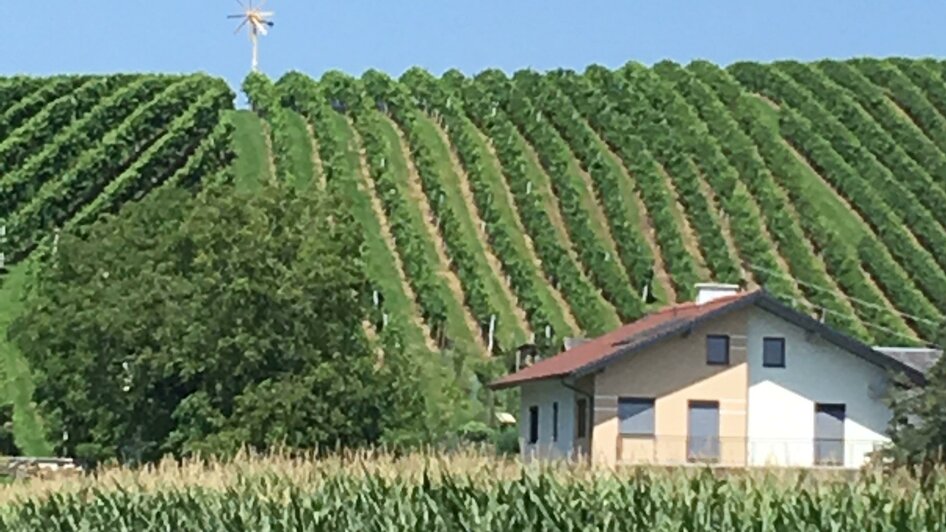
464,492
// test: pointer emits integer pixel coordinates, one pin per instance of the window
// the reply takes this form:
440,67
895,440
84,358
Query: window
581,418
533,424
554,421
636,416
829,434
773,352
717,350
703,431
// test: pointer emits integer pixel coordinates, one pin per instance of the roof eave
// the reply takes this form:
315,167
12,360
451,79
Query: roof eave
503,384
760,298
673,330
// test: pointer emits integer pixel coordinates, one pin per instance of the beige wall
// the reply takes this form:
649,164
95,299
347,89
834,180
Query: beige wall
674,372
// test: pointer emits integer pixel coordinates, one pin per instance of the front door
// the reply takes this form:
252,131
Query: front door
703,432
829,434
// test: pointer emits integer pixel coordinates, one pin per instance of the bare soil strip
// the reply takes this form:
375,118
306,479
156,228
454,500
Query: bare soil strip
494,265
367,185
690,241
647,227
559,299
416,193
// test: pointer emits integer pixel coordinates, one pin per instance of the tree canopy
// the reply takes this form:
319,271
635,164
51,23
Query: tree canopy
198,324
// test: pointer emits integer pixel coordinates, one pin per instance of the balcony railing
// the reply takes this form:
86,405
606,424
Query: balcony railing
739,452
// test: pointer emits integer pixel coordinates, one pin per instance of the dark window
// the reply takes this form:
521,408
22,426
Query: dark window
581,415
773,352
829,434
717,350
636,416
533,424
554,421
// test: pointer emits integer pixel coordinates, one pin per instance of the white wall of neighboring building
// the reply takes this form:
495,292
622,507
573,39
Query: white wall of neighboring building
543,394
782,400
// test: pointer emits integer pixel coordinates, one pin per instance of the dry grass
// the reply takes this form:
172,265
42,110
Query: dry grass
281,471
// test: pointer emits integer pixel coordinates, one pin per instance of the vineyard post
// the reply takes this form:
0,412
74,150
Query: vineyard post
492,331
3,246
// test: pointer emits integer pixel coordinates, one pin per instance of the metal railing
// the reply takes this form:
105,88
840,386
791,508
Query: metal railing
740,452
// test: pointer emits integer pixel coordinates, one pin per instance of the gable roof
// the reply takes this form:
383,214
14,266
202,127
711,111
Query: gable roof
592,356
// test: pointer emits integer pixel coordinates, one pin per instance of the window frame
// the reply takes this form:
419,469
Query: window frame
765,362
725,337
533,425
652,403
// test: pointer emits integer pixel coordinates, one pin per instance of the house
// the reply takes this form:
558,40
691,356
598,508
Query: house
735,378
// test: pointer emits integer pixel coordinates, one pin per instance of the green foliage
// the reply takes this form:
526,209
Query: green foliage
60,151
599,260
829,176
485,97
918,426
634,253
167,129
451,218
203,324
30,104
264,99
841,159
499,215
440,375
621,135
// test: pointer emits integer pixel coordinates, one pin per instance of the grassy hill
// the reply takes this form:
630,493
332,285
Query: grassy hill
500,210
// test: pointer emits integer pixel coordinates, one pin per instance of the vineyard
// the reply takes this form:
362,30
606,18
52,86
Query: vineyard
533,207
506,210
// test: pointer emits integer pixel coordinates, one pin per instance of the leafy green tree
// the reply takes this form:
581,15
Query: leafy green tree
203,324
918,426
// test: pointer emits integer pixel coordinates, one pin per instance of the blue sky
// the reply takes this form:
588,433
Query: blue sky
56,36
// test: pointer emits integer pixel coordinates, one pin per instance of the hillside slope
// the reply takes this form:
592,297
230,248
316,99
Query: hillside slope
502,210
596,196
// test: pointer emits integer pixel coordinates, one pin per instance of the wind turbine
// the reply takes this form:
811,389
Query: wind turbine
257,21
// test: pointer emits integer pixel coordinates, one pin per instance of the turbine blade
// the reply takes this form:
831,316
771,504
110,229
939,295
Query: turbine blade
265,14
262,4
236,16
241,4
240,27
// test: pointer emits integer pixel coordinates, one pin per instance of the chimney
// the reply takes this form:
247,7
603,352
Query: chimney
706,292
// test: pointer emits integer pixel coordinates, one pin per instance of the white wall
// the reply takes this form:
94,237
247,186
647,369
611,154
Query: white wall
543,394
782,400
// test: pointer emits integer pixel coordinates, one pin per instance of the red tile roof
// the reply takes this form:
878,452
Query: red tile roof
625,337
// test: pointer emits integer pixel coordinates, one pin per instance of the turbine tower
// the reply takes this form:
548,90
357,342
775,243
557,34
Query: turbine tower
257,22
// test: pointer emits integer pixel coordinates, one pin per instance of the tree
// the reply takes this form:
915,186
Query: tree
202,324
918,425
